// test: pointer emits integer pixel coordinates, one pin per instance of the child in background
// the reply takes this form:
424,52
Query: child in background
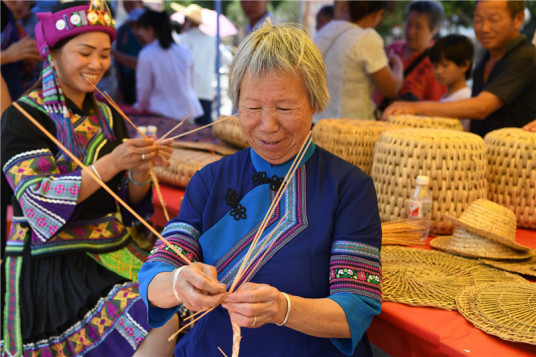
452,58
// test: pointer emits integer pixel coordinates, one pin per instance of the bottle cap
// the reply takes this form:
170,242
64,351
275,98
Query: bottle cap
423,180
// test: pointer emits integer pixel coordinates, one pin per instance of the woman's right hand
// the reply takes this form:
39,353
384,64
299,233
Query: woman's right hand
198,288
137,153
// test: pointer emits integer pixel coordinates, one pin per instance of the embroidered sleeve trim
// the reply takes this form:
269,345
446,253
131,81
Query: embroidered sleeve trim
355,268
182,236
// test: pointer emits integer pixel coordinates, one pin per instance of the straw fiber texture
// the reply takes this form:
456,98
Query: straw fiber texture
505,310
525,267
182,166
468,244
492,221
512,172
419,121
229,132
421,277
455,161
351,140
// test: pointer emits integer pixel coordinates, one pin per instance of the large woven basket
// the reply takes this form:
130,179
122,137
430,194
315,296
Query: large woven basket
505,310
352,140
229,132
512,172
182,166
455,161
419,121
421,277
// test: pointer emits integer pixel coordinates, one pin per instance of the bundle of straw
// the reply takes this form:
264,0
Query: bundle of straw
401,232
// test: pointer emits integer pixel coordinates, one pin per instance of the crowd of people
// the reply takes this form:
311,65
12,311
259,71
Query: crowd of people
78,274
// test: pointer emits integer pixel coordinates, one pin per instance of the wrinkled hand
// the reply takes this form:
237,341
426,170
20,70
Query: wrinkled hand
530,126
397,108
198,287
23,49
137,154
256,303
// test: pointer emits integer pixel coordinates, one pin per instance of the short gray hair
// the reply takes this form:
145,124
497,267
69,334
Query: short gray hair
284,47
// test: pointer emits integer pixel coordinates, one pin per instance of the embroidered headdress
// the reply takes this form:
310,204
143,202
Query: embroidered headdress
51,28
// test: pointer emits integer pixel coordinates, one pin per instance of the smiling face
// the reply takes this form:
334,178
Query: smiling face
85,57
494,26
275,114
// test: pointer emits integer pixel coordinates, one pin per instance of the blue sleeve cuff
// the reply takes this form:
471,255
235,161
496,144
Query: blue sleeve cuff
359,311
156,316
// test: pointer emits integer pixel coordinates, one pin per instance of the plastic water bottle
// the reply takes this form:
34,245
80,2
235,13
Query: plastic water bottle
420,207
151,131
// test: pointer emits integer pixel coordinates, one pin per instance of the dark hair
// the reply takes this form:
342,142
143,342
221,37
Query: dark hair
360,9
514,7
456,48
327,10
160,23
433,9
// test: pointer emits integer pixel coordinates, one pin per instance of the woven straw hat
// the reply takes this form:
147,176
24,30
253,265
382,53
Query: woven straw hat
193,12
505,310
421,277
485,230
525,267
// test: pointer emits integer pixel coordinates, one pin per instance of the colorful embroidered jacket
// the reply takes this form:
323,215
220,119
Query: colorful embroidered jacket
46,185
327,246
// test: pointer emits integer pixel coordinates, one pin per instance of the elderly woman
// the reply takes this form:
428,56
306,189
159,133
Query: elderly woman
318,288
423,19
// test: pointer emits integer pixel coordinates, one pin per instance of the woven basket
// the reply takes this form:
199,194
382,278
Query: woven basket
182,166
512,172
505,310
229,132
421,277
418,121
455,161
351,140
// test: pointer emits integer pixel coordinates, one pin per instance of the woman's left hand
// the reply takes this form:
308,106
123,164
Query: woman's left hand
254,305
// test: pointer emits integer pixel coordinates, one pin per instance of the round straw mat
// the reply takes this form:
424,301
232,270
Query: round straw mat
525,267
512,172
420,277
419,121
350,139
229,132
183,164
455,161
505,310
469,244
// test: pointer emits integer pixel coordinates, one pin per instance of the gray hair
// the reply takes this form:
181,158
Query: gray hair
284,47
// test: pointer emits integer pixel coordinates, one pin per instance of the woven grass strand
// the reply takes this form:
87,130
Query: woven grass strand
202,127
101,183
420,277
505,310
151,170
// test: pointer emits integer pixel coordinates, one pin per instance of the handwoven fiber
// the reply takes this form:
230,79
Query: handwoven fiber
505,310
525,267
351,140
512,172
455,161
469,244
182,166
419,121
421,277
229,132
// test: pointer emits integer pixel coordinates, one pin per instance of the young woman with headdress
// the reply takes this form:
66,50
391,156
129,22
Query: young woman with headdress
71,263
